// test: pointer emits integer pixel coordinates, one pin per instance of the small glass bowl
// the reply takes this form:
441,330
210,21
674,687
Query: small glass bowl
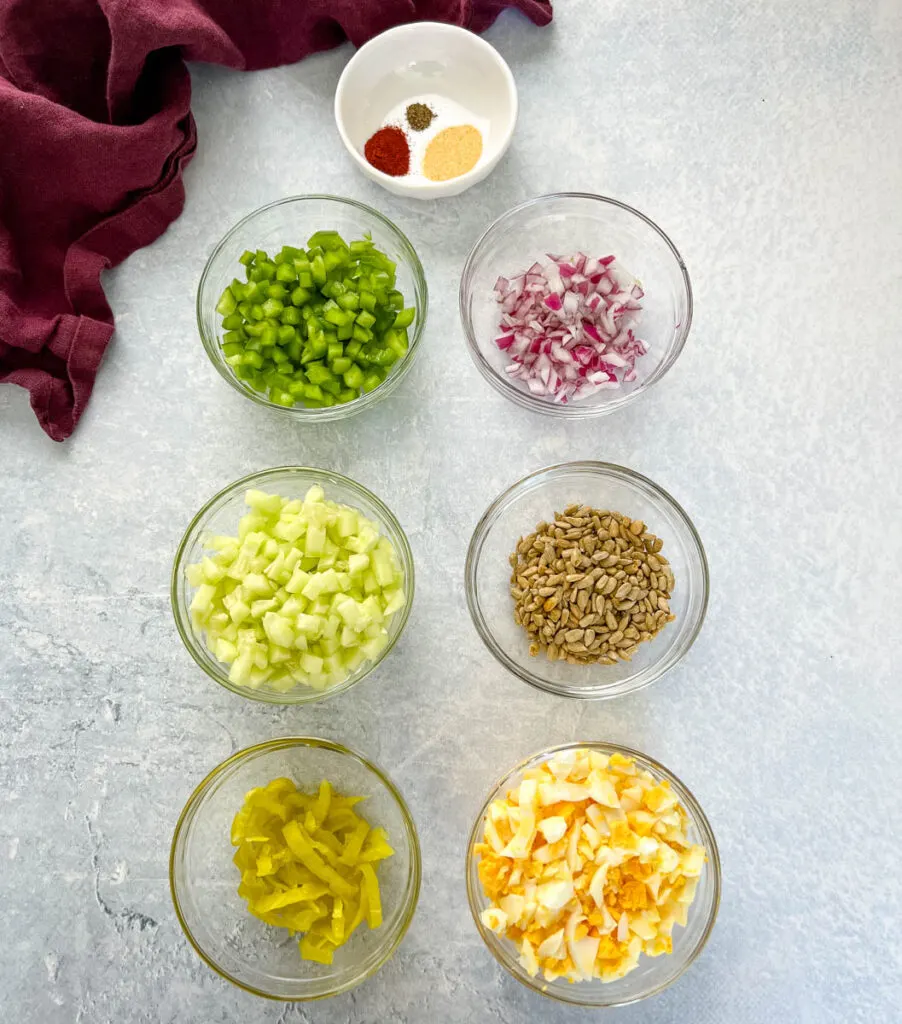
292,221
653,973
517,511
567,223
220,515
204,881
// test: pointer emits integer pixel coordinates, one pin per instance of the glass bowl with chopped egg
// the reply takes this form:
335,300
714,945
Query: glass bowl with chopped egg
292,584
587,580
295,869
593,875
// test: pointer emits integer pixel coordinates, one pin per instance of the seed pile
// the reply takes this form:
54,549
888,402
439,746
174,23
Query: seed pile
591,586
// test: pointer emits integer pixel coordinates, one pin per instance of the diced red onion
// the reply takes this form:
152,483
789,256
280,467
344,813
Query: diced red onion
567,326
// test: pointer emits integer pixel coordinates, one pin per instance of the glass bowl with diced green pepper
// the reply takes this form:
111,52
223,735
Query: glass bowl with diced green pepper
314,305
292,584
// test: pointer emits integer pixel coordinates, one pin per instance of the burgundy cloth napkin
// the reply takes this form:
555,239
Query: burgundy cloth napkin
95,129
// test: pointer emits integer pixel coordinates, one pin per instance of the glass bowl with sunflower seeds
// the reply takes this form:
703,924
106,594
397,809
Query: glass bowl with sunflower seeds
587,580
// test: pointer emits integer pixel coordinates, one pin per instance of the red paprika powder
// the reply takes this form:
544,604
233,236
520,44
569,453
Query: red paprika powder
388,151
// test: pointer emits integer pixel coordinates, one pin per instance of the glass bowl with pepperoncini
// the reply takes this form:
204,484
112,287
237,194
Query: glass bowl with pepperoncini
593,874
295,869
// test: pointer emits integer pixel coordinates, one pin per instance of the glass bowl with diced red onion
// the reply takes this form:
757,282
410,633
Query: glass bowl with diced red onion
574,304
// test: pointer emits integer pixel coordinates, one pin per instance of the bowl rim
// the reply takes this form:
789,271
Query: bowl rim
413,186
474,554
402,367
526,399
192,643
195,801
699,819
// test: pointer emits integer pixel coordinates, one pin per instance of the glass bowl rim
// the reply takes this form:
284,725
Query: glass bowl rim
697,815
414,877
191,642
507,498
526,399
211,347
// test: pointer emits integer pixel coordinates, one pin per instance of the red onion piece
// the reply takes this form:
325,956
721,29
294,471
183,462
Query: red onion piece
567,326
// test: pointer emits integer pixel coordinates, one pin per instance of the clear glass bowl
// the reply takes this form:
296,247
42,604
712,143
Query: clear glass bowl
204,881
653,973
220,515
291,222
567,223
537,497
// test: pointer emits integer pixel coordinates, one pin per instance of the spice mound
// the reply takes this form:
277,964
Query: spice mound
453,152
590,586
419,116
388,151
587,865
307,863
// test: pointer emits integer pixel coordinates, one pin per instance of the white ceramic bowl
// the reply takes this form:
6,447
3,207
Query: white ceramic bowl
458,74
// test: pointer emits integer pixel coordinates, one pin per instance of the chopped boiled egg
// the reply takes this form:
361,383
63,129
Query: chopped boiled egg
587,866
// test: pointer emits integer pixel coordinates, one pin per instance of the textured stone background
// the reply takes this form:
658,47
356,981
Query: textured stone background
765,138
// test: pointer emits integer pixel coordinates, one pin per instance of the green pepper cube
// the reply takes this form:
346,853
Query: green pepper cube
317,373
340,365
227,303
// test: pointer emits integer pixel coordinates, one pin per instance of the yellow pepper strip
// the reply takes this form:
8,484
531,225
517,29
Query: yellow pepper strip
301,894
375,848
373,900
354,843
302,920
328,844
294,874
340,818
272,805
324,799
300,845
357,917
320,952
306,863
338,922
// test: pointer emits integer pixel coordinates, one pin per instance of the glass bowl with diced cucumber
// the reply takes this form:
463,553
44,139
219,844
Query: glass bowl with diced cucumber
314,305
292,584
